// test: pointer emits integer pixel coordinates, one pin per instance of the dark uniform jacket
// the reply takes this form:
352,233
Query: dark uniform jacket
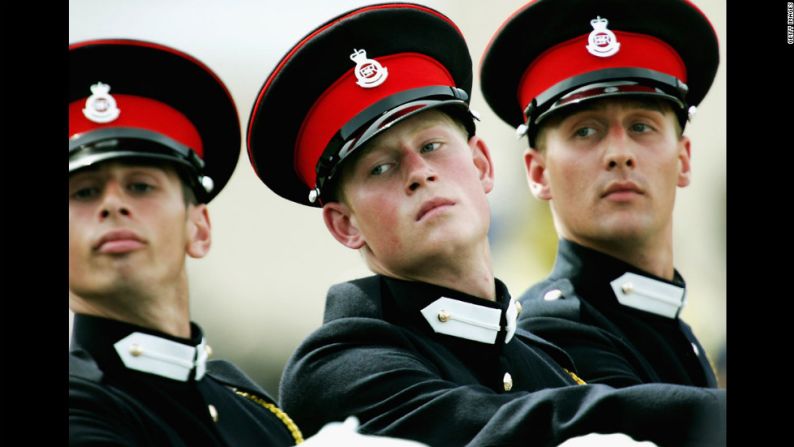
378,357
577,308
111,404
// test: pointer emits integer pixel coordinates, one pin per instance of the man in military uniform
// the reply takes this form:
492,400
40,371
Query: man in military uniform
153,137
603,90
368,117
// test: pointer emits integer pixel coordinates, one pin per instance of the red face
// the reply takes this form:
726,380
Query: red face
415,195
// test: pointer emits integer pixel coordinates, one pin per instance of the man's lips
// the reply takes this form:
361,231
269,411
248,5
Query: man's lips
622,190
118,241
431,205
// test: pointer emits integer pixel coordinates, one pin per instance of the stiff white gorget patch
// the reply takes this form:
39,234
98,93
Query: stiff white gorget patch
470,321
166,358
649,295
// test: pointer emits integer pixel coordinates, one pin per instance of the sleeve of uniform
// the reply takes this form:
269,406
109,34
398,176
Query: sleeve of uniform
370,369
96,417
598,357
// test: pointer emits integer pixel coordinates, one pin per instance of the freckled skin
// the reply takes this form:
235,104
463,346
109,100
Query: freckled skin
423,158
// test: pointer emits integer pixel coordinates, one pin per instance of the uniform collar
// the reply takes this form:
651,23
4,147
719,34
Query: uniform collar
457,314
119,346
608,281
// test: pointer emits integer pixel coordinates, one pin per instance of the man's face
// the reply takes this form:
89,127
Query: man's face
129,227
611,172
416,194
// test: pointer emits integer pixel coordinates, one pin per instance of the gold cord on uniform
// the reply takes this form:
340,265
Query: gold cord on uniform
280,414
575,378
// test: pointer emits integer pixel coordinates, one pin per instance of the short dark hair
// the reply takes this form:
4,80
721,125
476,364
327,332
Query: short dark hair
188,192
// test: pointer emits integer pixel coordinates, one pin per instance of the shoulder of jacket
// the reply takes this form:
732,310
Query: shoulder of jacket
551,298
357,298
82,365
230,375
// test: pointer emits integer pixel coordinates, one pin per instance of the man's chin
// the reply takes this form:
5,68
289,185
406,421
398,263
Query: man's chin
619,235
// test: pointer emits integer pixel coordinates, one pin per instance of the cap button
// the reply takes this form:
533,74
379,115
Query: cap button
313,194
207,183
691,112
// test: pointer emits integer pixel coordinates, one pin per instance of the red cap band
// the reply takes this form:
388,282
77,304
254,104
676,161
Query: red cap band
345,99
571,58
142,113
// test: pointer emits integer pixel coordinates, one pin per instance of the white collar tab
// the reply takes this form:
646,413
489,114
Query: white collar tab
649,295
163,357
470,321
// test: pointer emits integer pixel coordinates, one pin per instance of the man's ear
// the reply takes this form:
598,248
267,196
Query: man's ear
535,165
199,231
341,223
482,161
684,165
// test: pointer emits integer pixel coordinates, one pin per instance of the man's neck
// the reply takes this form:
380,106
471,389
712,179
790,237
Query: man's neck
468,270
654,258
166,311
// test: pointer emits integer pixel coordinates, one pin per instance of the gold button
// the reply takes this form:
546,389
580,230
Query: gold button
507,380
627,288
136,350
519,307
552,295
213,413
208,350
443,316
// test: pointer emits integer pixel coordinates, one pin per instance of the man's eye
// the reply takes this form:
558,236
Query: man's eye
139,187
380,169
641,127
430,147
86,193
584,132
